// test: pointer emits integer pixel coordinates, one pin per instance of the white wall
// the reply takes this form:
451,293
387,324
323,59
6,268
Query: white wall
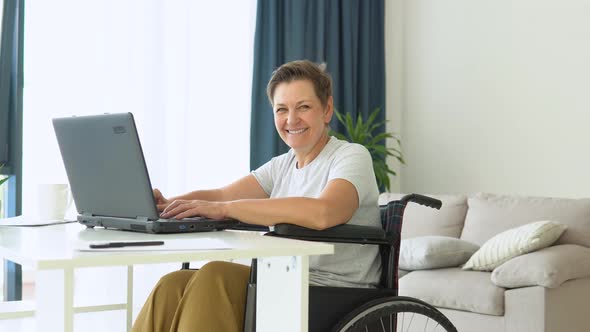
394,78
494,95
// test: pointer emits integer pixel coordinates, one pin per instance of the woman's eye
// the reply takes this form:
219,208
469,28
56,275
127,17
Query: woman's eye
304,107
281,110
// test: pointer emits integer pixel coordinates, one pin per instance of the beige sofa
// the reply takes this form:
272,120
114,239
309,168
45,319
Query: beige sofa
544,291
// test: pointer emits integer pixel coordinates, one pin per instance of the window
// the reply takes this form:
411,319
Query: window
179,66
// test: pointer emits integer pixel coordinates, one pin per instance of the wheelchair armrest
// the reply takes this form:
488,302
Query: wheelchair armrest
337,234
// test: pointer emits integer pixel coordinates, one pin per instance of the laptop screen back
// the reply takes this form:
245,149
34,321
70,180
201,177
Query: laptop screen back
105,165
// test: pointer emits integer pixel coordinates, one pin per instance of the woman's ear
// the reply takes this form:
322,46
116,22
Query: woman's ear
329,110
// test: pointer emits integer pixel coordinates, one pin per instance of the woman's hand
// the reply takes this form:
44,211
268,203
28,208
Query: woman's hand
180,209
161,201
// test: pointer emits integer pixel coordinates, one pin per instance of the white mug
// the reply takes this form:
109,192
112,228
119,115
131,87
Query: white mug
53,200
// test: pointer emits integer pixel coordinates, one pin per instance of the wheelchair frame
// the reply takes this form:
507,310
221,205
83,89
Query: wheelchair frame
328,305
331,307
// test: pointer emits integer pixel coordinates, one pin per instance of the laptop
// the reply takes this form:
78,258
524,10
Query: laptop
109,179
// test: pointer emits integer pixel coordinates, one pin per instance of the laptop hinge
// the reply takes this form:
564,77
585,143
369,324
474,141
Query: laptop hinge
141,218
87,214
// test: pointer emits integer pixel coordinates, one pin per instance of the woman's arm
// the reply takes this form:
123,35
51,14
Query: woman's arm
335,205
244,188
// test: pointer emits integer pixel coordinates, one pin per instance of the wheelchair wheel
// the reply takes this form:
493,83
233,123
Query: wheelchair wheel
395,314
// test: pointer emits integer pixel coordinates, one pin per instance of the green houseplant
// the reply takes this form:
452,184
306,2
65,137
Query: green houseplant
4,179
362,131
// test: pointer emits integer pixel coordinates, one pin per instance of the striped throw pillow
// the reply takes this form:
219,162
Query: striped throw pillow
514,242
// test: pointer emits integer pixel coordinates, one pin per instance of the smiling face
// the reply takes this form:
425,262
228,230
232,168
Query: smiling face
300,118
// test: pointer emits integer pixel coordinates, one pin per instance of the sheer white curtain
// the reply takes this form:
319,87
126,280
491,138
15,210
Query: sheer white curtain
183,67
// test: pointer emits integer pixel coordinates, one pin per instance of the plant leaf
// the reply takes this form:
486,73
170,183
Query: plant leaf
373,116
349,123
362,131
5,179
358,129
379,124
380,149
339,117
399,152
379,138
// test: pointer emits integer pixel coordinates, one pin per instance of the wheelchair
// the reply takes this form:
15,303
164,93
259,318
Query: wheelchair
341,309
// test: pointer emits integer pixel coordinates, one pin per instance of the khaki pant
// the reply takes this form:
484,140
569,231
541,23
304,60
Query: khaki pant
211,299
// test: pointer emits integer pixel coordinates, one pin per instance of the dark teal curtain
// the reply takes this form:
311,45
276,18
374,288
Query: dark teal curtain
6,50
348,35
11,93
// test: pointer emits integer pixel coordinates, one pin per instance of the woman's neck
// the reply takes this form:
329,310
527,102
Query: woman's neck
305,158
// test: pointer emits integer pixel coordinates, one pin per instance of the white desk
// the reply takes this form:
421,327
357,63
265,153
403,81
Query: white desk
51,250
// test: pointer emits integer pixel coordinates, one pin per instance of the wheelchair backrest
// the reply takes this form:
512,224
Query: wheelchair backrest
391,221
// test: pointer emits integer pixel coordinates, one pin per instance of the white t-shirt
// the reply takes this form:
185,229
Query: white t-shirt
352,265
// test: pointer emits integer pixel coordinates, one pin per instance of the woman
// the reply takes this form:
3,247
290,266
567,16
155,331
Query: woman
320,183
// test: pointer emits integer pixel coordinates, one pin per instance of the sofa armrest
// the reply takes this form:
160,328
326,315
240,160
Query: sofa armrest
540,309
549,267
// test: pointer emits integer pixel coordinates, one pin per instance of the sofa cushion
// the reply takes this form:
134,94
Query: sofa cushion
491,214
421,220
433,252
514,242
549,267
454,288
